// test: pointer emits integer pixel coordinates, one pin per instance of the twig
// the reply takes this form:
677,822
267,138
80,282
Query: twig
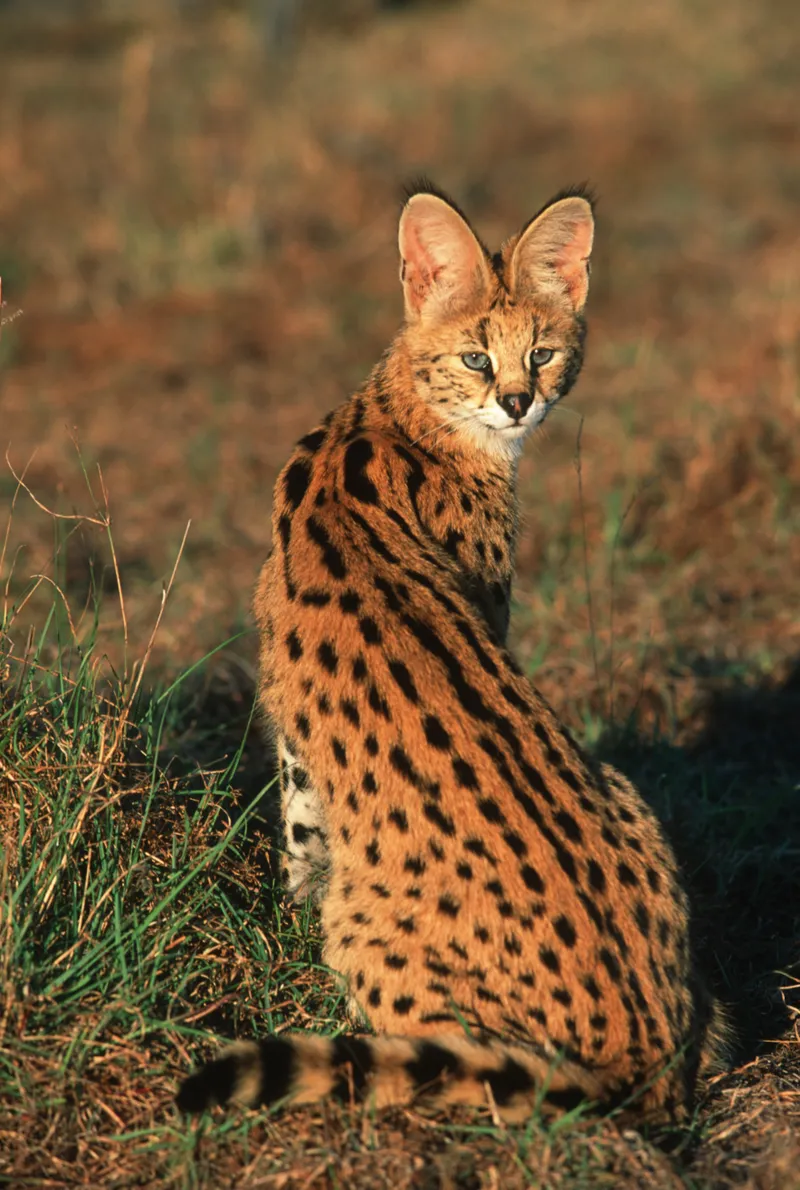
611,578
579,469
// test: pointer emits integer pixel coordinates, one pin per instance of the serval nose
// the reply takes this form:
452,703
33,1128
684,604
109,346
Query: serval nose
516,405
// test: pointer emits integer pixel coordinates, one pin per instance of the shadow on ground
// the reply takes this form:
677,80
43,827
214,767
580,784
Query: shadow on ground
729,801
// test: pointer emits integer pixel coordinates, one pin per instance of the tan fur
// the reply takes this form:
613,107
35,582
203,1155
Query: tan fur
484,872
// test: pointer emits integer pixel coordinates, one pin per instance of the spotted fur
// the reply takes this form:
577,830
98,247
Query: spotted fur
506,912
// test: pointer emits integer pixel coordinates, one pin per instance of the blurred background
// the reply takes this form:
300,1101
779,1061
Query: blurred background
198,211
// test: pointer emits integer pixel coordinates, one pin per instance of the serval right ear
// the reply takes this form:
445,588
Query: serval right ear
553,250
444,267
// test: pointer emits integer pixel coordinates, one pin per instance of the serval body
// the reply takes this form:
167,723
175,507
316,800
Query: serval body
505,911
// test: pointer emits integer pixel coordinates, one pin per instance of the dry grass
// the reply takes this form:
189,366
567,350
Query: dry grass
202,241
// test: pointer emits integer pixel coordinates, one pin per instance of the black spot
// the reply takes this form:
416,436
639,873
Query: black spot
565,930
452,541
402,676
332,558
356,481
313,441
550,959
396,961
611,837
490,810
569,826
378,703
294,645
642,919
415,864
627,876
295,481
481,933
464,773
590,983
464,870
350,711
654,880
562,996
597,877
566,861
403,1005
303,726
532,879
440,820
435,733
399,818
448,905
300,833
352,802
610,963
360,671
315,598
368,782
373,853
339,752
328,656
516,843
371,744
478,847
324,704
488,997
374,997
350,602
370,630
406,924
402,764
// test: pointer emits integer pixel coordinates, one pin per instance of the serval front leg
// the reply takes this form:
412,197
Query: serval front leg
306,861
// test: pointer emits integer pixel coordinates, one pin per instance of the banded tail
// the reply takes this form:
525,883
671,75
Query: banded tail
393,1071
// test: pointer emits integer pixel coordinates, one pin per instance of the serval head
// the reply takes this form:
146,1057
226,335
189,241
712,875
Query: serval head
493,342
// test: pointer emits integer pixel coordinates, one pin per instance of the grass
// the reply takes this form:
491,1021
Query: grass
202,240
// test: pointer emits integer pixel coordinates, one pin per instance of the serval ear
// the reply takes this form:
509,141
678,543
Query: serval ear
443,265
552,252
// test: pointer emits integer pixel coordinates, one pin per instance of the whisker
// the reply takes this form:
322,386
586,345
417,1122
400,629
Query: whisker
445,428
566,409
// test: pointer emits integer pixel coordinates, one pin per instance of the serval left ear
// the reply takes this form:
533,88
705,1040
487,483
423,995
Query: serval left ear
443,269
552,252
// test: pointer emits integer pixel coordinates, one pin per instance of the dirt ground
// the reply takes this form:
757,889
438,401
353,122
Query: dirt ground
201,236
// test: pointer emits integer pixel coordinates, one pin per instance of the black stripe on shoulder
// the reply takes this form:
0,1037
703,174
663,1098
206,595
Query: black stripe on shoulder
357,483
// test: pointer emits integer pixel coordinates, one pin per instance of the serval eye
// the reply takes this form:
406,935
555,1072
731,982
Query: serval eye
477,361
541,356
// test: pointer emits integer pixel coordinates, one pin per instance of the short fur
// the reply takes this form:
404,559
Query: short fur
504,909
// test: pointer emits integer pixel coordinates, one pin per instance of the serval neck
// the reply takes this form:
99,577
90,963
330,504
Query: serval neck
391,404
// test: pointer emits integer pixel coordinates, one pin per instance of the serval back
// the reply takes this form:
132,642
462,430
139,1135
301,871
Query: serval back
505,911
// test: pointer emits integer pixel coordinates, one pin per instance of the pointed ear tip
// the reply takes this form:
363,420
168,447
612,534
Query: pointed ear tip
578,203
